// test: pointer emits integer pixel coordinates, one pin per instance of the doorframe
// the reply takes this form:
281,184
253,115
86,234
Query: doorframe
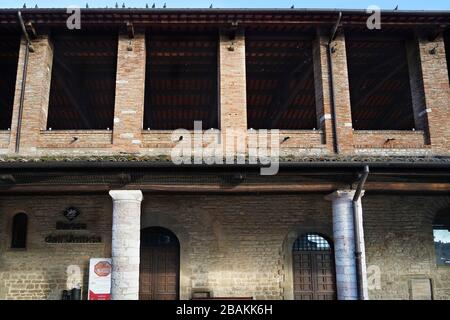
288,244
149,220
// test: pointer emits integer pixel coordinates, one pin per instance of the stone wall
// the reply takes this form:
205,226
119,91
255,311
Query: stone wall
233,245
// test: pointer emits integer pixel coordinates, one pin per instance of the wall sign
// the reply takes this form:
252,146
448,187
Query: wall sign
71,213
100,279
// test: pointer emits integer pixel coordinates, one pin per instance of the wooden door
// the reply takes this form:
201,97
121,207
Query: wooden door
159,271
314,274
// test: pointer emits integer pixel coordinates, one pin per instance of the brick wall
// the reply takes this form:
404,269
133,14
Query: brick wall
429,81
232,245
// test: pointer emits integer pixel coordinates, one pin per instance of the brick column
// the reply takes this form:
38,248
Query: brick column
130,91
344,244
126,231
343,111
233,91
436,92
322,90
37,94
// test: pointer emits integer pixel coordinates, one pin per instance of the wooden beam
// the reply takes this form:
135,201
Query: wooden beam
130,30
385,187
31,30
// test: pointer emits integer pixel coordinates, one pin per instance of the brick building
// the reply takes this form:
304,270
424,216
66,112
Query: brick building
360,207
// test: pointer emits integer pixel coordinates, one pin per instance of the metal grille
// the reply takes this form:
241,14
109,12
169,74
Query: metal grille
311,242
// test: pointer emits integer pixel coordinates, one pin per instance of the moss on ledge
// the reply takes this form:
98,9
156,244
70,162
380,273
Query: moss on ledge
167,159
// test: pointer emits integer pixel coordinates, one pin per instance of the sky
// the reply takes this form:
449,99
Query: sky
343,4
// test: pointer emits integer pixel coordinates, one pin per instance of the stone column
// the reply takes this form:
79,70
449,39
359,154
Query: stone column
362,246
344,244
126,230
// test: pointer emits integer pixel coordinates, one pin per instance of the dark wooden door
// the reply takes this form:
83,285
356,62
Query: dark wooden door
159,271
314,275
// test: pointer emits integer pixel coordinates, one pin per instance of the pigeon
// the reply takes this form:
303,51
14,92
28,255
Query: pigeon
123,5
292,7
153,6
211,6
146,6
396,8
164,6
117,5
24,5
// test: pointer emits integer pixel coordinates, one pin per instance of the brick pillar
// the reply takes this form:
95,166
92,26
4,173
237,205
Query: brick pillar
126,231
344,244
322,90
37,94
233,90
130,91
436,92
342,95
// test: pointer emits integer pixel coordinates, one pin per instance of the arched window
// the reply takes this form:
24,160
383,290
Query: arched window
311,242
441,233
19,231
313,268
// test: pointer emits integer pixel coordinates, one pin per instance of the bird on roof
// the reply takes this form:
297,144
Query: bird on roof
211,6
164,6
24,5
87,5
117,5
292,7
123,5
35,6
396,8
153,6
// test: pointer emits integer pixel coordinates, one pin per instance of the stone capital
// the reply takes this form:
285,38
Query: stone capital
341,195
126,195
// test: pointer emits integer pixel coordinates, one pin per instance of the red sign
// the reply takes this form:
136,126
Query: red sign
100,279
102,269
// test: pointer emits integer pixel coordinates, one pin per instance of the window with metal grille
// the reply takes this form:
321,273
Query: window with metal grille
311,242
19,231
441,233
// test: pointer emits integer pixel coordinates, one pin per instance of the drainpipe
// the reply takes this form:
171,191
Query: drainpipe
28,49
331,79
359,238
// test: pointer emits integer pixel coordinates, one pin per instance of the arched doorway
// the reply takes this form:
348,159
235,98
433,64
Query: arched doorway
313,268
160,265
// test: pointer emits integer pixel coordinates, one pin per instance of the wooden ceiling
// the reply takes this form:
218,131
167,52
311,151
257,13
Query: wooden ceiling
181,80
9,55
82,90
280,79
379,83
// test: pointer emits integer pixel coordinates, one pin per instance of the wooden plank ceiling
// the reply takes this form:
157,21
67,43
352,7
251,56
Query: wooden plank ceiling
83,80
181,80
9,55
280,78
379,82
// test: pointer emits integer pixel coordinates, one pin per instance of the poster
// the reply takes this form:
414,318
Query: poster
100,279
